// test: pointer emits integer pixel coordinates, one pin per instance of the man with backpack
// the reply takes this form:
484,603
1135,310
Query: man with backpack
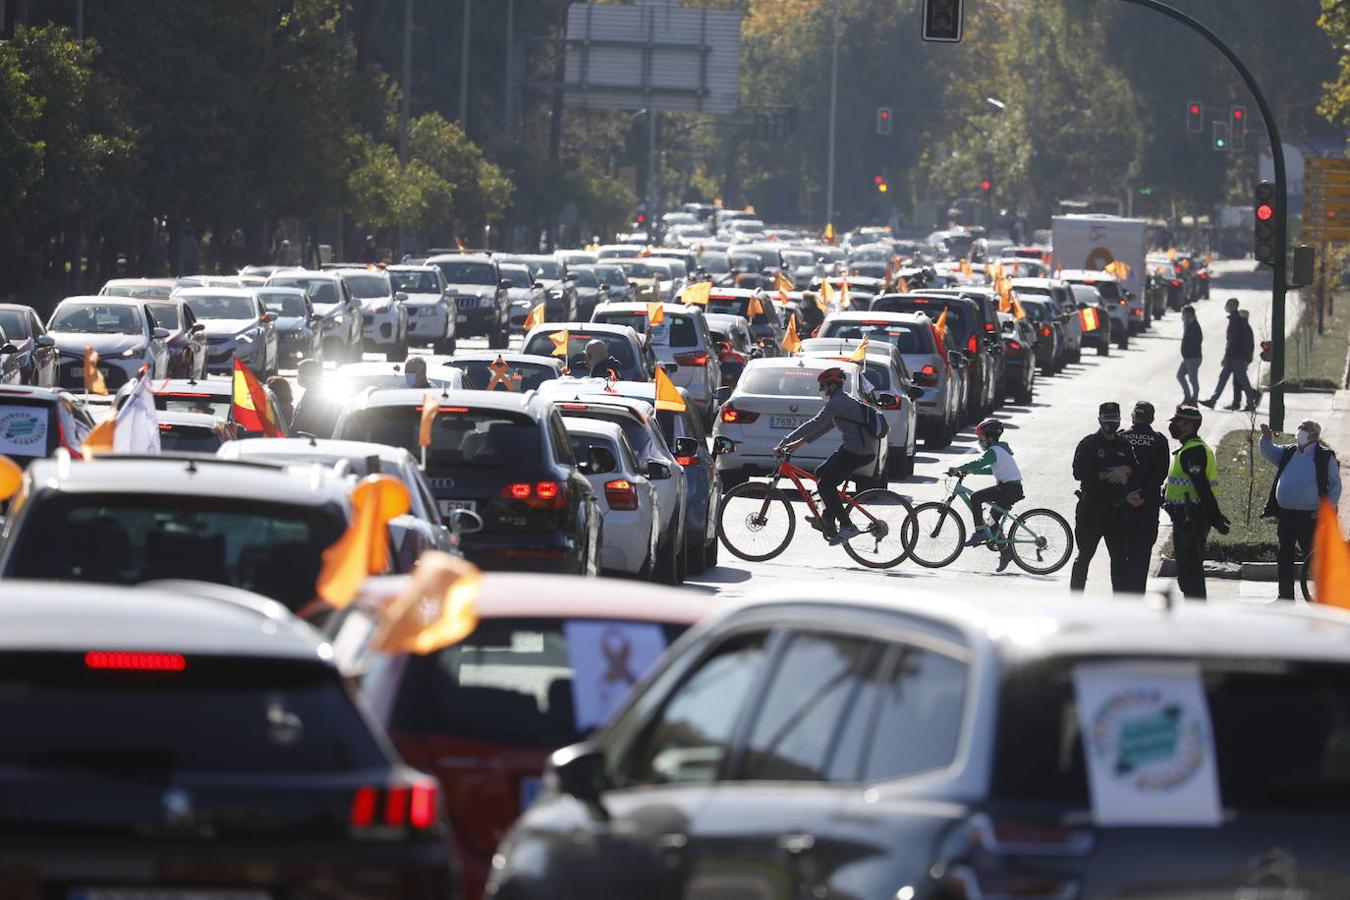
861,428
1306,471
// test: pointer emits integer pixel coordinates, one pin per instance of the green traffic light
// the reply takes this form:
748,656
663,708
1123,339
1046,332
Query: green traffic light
1220,143
1147,192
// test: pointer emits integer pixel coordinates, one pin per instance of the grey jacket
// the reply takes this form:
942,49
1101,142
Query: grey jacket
845,413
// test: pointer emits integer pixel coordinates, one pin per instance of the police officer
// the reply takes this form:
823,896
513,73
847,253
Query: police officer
1104,465
1150,449
1189,499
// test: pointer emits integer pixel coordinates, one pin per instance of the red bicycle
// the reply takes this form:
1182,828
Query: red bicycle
756,521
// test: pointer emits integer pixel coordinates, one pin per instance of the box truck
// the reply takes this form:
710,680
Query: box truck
1093,242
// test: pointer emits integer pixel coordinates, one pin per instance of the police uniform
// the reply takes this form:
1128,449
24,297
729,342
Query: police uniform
1101,512
1150,449
1188,497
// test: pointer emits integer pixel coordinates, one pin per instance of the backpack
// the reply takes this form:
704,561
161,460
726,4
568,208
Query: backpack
873,424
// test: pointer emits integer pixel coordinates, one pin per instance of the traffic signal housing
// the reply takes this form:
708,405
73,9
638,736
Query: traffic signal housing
1264,233
883,120
1237,126
880,182
942,20
1195,117
986,185
1219,137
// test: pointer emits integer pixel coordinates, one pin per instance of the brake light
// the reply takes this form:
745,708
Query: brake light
989,326
396,807
1137,313
177,394
1014,345
364,801
391,810
738,416
575,405
734,357
697,358
927,376
547,490
536,495
972,345
1204,275
446,409
422,804
135,662
621,494
517,491
1045,331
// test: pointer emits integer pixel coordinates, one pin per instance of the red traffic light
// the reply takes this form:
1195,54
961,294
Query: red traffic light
1265,212
1239,113
1195,109
879,180
885,114
985,185
641,218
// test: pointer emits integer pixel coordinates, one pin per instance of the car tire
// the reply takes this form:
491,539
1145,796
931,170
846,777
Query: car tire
896,465
697,554
1104,349
710,554
939,438
1077,356
443,346
499,339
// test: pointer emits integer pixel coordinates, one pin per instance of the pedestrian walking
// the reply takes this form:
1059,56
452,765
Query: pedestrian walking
1150,450
1237,356
1189,371
1104,465
1189,500
1306,471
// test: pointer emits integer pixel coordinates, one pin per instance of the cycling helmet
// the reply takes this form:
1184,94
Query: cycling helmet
832,375
990,430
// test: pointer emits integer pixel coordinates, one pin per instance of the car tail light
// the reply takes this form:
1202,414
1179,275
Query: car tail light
621,494
536,495
1045,331
989,326
738,416
390,811
686,461
1176,282
131,661
445,409
927,376
575,405
697,358
1011,836
1137,313
1204,275
972,345
732,356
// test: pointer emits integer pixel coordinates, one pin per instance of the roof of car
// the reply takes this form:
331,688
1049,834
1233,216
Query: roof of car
599,427
503,400
507,355
903,318
1036,624
410,267
628,306
606,327
33,392
715,320
180,617
1086,275
786,362
196,474
460,257
327,275
193,386
594,395
104,300
142,282
266,448
1037,282
189,292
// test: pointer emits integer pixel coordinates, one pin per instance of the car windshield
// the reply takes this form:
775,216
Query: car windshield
93,318
217,714
467,272
414,282
165,315
283,303
520,376
320,290
223,307
622,351
244,541
787,381
188,438
14,324
461,438
611,275
517,273
140,291
547,269
1109,290
675,331
635,269
365,287
584,277
909,338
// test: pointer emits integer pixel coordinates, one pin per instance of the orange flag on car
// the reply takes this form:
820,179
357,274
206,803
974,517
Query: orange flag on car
93,378
941,324
860,354
437,609
559,339
534,317
463,248
11,476
782,283
754,308
656,314
827,300
1017,310
1331,559
828,236
966,269
363,548
791,342
697,294
250,408
499,367
667,394
845,301
100,439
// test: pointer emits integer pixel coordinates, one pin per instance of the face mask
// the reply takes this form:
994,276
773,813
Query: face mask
1304,438
1175,430
1108,426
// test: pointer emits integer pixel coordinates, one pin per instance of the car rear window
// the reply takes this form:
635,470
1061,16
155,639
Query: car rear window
28,430
639,438
737,306
527,682
542,345
675,331
1038,310
1281,733
206,404
909,338
785,381
269,548
523,376
216,714
960,317
320,290
188,439
461,438
1109,290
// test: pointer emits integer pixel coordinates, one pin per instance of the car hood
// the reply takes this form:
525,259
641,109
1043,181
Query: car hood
227,327
423,299
523,294
107,345
289,323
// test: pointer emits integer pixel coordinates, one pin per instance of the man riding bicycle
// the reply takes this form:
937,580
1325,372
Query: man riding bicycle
858,449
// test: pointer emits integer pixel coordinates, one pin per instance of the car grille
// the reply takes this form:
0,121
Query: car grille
475,302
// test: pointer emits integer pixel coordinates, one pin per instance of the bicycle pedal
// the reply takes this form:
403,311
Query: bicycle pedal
814,523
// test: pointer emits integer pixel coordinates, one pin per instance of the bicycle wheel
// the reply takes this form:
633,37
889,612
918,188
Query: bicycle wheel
888,532
755,521
939,536
1041,541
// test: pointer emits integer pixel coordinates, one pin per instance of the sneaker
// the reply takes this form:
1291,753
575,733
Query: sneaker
1233,407
1005,556
1256,401
1208,404
815,523
980,536
847,532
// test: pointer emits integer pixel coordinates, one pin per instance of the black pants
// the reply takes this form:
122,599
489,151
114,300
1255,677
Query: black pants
1092,523
1190,532
1143,535
837,468
1295,530
1005,495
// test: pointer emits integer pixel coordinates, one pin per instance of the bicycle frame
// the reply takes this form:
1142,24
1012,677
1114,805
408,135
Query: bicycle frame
997,515
797,476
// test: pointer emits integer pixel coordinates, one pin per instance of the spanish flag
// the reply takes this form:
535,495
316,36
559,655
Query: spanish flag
828,236
363,548
535,317
791,342
250,408
1089,318
667,395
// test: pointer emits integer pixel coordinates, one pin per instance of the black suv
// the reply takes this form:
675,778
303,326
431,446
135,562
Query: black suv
967,318
482,301
506,457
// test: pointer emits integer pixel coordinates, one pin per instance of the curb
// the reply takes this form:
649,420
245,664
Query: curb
1247,571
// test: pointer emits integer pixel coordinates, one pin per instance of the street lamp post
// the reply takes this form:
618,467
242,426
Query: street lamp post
834,108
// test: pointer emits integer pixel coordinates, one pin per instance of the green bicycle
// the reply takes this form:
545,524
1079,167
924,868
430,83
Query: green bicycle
1039,540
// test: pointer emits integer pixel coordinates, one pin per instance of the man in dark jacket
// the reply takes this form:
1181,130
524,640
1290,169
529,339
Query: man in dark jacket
1237,356
1104,465
1150,449
1189,372
1306,474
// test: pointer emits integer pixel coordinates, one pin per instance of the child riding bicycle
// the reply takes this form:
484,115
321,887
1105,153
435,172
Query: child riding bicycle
1006,490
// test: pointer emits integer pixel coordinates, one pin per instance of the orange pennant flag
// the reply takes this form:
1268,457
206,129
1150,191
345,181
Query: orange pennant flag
363,548
11,477
784,298
754,308
438,608
941,324
966,268
844,300
667,394
860,354
93,378
828,236
791,342
826,300
427,420
902,285
1331,559
100,439
250,406
535,317
1017,310
697,294
782,283
656,314
559,339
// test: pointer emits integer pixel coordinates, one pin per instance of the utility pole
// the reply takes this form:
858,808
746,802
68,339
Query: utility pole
405,106
510,71
464,72
652,169
834,110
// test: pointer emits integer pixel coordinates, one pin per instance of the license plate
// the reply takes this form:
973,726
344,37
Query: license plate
446,507
101,893
785,421
530,787
461,318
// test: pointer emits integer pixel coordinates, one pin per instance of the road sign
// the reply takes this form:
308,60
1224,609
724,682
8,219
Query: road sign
1326,194
1327,162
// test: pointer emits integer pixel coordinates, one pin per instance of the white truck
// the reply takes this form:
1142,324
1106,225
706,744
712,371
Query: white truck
1093,242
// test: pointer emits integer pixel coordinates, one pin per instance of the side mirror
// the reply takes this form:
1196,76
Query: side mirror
670,368
160,333
578,771
722,445
600,460
888,401
269,317
197,328
723,348
914,392
756,353
658,471
400,296
46,340
464,521
686,446
957,358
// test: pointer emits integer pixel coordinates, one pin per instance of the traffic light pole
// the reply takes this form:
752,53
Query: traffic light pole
1278,287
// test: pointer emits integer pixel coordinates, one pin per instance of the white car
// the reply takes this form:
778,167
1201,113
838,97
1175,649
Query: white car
384,320
628,501
773,397
682,344
348,380
885,373
431,321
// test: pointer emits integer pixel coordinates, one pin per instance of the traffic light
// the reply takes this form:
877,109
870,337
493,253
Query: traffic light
1195,117
883,120
1237,126
1219,137
1264,247
880,182
942,20
986,185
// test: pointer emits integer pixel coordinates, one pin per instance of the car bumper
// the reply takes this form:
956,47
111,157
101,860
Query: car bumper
555,553
480,320
380,329
697,381
293,351
627,540
429,323
931,406
116,372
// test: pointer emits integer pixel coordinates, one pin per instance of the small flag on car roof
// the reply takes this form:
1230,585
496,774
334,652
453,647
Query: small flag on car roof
667,394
